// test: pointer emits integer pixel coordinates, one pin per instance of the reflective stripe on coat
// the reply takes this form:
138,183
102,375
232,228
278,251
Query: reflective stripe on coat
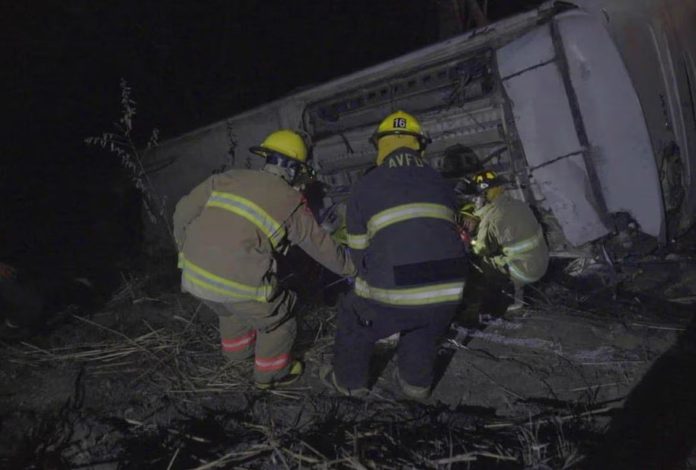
229,227
510,235
401,229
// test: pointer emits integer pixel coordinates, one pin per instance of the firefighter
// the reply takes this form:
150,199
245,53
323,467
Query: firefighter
411,264
509,240
228,230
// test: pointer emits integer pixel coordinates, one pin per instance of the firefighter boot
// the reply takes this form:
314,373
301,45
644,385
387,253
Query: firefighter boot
294,373
413,392
518,298
328,378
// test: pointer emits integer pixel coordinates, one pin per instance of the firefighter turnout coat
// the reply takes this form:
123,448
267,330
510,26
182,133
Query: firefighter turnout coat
402,234
228,228
511,239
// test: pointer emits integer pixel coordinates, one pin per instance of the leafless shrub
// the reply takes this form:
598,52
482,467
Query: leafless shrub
120,143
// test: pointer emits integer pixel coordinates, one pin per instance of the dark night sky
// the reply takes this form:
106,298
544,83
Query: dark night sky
185,59
188,63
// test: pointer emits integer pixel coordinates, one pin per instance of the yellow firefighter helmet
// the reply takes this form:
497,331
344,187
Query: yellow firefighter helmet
485,180
401,123
285,142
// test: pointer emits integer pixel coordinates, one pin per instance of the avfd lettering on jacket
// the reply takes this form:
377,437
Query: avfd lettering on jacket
402,234
402,158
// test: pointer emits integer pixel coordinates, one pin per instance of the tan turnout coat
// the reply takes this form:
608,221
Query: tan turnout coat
228,228
510,237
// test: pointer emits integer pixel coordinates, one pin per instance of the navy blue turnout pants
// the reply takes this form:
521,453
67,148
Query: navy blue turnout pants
362,322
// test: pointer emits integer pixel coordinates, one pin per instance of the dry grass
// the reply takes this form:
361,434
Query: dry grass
182,358
296,428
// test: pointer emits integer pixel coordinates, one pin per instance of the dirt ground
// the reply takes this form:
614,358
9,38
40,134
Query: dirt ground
141,384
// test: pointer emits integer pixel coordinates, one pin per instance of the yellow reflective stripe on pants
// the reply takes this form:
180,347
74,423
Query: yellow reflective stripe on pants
357,241
405,212
524,246
438,293
221,286
249,210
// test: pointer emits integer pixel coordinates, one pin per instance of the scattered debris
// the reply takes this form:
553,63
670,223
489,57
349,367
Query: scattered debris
141,383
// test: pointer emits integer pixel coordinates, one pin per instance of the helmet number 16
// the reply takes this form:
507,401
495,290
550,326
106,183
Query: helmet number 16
400,123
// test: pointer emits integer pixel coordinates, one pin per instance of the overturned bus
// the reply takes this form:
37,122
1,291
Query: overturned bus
586,107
